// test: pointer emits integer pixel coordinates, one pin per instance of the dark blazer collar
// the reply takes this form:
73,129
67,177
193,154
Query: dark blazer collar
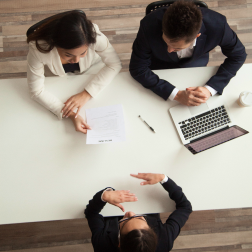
200,43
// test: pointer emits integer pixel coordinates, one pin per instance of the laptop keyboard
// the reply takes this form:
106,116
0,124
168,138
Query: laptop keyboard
198,125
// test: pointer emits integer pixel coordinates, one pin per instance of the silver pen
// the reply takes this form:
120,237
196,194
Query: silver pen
147,124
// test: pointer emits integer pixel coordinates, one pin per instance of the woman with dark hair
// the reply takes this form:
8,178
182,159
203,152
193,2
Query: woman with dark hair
69,43
136,233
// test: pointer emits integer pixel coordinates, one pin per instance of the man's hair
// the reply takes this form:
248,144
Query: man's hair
139,240
182,20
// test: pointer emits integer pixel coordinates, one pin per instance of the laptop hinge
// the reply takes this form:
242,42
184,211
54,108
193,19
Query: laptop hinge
210,134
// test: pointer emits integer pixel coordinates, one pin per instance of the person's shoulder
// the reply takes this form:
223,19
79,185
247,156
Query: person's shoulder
212,16
42,44
154,18
96,28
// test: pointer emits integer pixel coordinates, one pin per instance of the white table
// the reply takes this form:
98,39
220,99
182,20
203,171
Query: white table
47,172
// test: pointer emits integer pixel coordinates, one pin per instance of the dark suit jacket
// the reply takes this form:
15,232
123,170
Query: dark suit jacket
105,230
150,52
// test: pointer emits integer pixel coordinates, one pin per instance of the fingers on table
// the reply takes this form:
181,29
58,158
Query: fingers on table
86,125
69,109
82,129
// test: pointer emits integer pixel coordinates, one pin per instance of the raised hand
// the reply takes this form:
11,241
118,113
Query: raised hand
117,197
150,178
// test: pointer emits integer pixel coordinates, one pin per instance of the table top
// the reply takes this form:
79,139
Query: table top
49,173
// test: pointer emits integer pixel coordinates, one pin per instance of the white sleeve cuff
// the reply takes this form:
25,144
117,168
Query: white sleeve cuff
164,180
108,189
173,94
211,90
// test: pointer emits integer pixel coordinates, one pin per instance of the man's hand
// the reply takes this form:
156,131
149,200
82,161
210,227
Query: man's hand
117,197
79,123
150,178
75,101
193,96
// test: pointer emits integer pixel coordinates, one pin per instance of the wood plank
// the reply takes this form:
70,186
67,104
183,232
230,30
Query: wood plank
13,6
236,13
12,67
15,29
218,239
1,41
123,47
233,212
68,248
12,76
44,234
14,39
13,54
99,13
117,23
245,37
15,18
231,3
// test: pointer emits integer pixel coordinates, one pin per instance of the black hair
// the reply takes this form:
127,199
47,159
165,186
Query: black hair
139,240
67,30
182,20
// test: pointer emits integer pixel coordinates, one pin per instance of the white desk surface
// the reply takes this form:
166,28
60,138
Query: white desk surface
47,172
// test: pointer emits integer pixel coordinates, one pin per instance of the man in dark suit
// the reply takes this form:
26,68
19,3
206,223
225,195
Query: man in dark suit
133,232
180,36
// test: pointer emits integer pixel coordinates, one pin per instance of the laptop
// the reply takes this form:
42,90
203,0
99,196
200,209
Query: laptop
205,126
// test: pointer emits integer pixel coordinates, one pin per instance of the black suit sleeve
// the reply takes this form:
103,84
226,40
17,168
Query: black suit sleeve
235,52
140,67
100,239
179,217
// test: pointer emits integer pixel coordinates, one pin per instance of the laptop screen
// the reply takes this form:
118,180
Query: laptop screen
216,138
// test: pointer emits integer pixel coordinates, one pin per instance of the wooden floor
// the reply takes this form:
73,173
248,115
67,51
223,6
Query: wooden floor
215,230
119,20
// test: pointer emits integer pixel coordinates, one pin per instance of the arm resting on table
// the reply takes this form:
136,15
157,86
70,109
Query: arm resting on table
140,67
231,47
112,64
35,79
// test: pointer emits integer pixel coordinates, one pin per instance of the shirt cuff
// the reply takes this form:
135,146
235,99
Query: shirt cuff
173,94
164,180
211,90
108,189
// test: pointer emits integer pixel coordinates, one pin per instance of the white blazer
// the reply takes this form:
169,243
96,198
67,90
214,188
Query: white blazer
37,60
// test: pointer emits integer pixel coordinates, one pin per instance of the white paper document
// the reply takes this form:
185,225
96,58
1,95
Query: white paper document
107,125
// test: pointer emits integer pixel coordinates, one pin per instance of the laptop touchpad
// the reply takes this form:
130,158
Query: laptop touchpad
198,109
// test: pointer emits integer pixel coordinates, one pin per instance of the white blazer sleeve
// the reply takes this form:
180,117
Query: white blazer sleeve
112,64
36,78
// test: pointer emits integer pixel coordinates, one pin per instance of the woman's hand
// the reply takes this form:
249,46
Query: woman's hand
79,123
150,178
75,101
117,197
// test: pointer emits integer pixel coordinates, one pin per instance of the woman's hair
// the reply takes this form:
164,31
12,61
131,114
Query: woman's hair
182,20
67,30
139,240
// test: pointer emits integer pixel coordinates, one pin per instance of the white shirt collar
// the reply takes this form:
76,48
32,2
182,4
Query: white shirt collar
193,43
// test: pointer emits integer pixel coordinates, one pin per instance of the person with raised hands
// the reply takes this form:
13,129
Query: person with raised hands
133,232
